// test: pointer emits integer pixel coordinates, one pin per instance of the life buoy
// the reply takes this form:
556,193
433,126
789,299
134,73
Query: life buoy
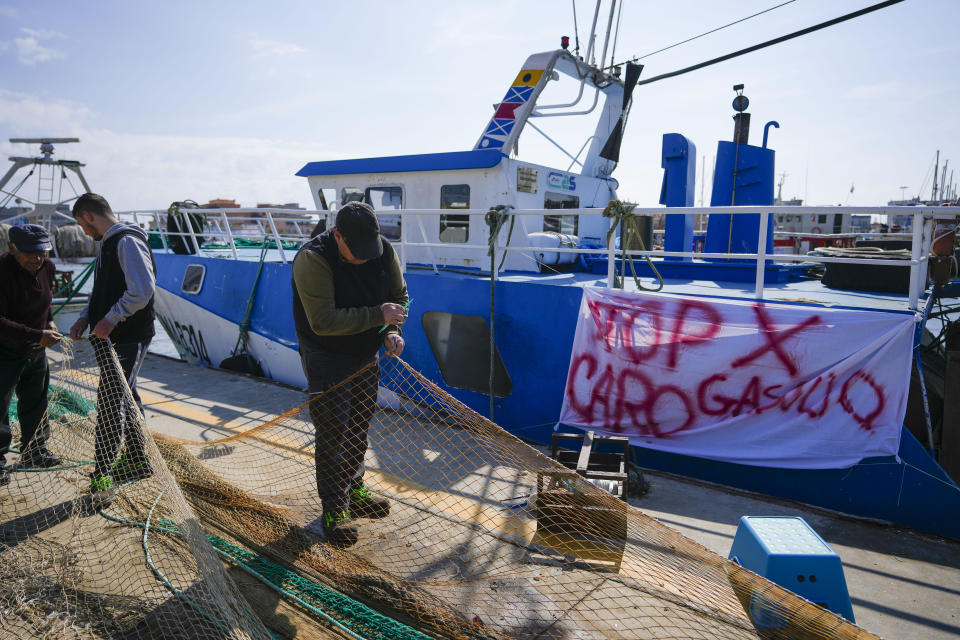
816,230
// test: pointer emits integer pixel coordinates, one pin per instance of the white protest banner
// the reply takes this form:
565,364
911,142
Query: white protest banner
741,381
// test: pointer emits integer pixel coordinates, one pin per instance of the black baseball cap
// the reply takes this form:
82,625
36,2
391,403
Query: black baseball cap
358,225
30,238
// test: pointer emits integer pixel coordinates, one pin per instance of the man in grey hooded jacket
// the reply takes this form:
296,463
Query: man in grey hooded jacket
121,310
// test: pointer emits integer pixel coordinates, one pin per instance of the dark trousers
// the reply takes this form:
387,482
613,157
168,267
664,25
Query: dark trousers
341,420
29,377
118,419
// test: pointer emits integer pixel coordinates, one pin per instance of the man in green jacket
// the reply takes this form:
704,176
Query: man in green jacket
349,299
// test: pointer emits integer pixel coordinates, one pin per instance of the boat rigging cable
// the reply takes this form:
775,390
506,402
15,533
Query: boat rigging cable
768,43
706,33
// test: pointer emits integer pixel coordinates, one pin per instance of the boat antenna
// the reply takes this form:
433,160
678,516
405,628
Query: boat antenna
616,35
606,38
576,33
593,35
768,43
936,170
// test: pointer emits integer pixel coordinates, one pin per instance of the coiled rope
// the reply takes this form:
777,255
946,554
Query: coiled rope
622,214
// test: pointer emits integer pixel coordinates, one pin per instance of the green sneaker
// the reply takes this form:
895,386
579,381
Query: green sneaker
338,530
100,483
364,504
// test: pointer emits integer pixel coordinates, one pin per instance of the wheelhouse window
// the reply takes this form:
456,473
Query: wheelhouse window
454,227
386,199
561,224
193,279
350,194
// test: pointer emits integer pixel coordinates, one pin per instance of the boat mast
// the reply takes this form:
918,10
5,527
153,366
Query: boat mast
936,170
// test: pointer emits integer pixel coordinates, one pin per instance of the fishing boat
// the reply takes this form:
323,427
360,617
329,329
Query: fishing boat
537,300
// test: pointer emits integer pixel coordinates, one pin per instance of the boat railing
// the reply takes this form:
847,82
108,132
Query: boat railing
227,225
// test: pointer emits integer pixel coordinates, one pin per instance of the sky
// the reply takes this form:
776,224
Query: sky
198,100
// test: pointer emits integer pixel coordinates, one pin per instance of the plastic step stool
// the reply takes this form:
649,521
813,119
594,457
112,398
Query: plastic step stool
788,552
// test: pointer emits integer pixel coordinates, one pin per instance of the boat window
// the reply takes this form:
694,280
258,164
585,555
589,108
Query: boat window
454,227
526,180
349,194
193,279
822,219
561,224
386,199
327,199
461,346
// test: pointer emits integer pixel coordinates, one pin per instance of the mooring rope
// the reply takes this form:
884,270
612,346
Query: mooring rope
495,218
623,216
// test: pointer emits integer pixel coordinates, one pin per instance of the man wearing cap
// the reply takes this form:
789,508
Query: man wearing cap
349,299
120,310
26,329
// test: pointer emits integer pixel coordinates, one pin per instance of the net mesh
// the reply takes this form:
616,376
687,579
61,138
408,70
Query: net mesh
481,535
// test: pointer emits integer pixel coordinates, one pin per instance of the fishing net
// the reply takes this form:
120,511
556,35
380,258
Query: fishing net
76,564
484,537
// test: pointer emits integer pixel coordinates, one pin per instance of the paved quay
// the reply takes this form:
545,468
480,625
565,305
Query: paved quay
902,584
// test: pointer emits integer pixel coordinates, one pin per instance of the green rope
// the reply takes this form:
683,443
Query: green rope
74,286
179,594
244,337
623,215
350,616
495,218
61,402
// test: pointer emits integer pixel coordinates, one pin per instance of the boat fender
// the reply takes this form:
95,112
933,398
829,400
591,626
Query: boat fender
816,230
243,363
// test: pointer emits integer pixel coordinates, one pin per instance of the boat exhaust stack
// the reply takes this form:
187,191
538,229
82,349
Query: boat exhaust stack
741,121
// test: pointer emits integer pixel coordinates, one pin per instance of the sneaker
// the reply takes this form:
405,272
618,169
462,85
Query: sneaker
42,460
364,504
338,530
102,492
102,498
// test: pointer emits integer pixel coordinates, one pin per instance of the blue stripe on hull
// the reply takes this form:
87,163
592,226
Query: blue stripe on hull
535,322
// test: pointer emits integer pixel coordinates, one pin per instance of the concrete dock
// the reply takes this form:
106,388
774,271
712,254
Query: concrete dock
902,584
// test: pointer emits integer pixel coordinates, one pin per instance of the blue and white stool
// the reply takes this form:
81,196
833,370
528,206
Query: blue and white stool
788,552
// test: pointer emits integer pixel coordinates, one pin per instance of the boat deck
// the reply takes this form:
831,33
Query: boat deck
799,291
902,584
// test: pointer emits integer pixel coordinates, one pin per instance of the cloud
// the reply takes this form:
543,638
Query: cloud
148,171
274,48
41,34
29,49
28,116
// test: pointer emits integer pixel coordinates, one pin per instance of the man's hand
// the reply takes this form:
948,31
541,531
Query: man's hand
393,313
50,337
76,331
103,329
394,344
